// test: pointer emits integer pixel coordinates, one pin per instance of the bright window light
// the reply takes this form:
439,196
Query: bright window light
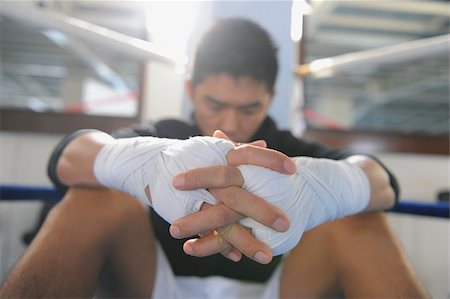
171,23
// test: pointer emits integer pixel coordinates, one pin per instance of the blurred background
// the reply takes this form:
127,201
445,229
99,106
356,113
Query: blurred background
372,76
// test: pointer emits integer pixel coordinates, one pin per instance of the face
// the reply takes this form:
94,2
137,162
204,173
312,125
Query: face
235,106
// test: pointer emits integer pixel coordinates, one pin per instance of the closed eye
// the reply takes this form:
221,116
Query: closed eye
214,104
249,111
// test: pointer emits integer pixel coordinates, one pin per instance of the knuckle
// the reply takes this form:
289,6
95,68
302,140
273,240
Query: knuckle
223,243
232,197
242,154
224,176
196,179
190,178
228,176
221,218
247,150
223,236
266,212
236,176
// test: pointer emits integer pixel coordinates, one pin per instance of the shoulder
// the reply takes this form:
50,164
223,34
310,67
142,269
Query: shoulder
166,128
286,142
174,128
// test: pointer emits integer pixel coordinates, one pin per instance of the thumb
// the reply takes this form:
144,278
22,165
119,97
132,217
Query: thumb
222,135
259,143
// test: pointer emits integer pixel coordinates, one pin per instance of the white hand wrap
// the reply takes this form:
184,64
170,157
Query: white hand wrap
320,190
132,164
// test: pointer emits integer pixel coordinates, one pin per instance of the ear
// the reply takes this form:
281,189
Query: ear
189,88
272,95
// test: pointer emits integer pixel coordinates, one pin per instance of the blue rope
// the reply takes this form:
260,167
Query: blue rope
21,192
439,209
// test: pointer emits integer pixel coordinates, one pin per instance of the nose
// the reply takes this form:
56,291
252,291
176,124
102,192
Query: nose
230,123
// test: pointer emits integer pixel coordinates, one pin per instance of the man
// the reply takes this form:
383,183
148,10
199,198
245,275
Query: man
99,234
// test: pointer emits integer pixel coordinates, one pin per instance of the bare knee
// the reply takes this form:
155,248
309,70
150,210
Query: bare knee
365,224
99,203
368,258
366,219
102,212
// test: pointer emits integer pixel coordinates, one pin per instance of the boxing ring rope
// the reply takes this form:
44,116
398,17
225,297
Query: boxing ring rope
24,192
92,34
393,54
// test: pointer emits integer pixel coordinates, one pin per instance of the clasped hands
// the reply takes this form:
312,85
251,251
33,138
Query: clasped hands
218,225
319,190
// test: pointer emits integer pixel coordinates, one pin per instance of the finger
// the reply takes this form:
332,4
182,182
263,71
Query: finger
201,247
250,154
242,239
204,221
253,207
222,135
231,253
209,177
236,204
233,235
259,143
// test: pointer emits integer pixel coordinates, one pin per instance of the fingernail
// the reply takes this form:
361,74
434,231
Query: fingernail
280,225
178,181
234,257
188,249
289,166
174,231
262,258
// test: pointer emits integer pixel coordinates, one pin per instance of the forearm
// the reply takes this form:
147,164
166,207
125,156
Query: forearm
74,166
382,195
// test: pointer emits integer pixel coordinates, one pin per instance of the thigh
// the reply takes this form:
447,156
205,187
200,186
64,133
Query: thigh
308,270
84,233
355,256
120,225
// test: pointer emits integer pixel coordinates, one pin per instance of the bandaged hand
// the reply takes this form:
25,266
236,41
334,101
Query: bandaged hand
321,190
134,165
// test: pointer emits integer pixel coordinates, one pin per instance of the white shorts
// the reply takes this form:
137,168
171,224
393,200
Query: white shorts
169,286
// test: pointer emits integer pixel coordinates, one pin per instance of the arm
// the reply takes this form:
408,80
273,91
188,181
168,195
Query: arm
74,167
343,190
382,195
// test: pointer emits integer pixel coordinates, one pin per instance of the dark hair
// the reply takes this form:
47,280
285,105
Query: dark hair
237,47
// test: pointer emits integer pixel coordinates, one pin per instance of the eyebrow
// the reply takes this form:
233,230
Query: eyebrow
215,101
